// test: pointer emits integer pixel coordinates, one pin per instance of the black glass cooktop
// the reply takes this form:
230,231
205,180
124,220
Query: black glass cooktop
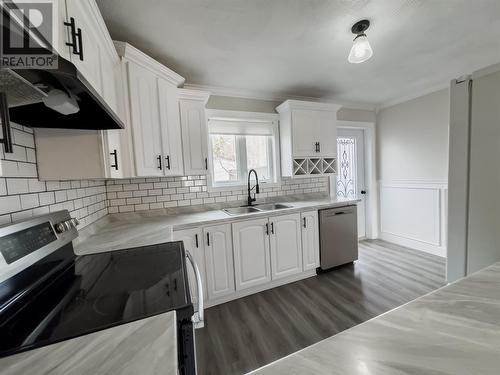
89,293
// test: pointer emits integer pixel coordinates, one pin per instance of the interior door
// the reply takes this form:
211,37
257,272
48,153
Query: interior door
350,179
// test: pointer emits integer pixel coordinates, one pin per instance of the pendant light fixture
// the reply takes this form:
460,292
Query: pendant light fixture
361,49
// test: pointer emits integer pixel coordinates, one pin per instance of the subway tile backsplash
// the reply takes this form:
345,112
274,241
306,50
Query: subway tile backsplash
22,195
165,192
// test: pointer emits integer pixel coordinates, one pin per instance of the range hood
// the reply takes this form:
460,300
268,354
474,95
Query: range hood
26,89
32,95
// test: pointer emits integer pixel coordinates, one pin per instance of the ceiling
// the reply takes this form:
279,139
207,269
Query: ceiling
300,47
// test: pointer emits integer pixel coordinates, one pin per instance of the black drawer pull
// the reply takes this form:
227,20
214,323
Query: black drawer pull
115,155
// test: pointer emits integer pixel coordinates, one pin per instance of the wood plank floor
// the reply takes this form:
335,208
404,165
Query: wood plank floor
247,333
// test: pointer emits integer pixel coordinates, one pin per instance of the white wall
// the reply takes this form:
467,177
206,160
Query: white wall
412,165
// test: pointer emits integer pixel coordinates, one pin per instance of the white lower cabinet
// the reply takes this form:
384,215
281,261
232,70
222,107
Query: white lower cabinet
193,243
219,260
286,246
310,240
251,253
243,257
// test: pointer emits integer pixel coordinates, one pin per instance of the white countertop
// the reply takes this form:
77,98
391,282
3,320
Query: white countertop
126,230
147,347
452,331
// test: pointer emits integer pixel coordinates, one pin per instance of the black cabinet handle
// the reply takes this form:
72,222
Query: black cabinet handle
196,240
272,228
115,156
363,192
168,161
5,120
159,162
80,44
305,224
267,229
206,164
76,38
317,147
208,239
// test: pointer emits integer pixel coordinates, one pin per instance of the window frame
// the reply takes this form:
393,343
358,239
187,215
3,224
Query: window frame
273,149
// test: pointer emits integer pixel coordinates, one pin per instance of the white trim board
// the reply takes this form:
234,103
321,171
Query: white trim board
274,96
413,213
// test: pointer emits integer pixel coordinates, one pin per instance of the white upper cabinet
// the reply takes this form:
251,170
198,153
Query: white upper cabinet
286,246
153,113
310,240
194,131
219,260
145,117
308,138
85,35
94,55
171,129
251,253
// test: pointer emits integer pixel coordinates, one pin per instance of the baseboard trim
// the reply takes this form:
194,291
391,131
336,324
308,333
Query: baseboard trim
414,244
260,288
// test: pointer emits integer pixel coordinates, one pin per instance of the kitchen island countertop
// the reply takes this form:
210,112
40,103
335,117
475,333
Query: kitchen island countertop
454,330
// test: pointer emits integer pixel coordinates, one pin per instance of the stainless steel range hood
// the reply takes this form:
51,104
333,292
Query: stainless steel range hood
26,90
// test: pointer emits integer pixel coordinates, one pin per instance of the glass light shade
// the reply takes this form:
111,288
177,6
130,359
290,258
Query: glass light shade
361,50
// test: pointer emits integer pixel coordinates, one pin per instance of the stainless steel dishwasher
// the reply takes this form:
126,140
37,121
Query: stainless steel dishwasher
338,231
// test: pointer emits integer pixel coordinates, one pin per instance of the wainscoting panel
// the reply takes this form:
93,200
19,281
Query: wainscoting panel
413,213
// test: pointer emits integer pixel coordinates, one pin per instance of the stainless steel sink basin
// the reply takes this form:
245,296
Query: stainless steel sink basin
272,206
240,210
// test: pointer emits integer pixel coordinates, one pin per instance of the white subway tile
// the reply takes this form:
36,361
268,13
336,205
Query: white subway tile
29,201
17,186
9,204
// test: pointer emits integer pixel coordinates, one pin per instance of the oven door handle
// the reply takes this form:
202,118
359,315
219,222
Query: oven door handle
198,318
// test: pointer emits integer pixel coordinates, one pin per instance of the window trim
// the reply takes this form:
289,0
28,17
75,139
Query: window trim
274,146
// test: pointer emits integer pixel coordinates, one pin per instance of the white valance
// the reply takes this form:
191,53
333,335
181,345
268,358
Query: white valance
235,127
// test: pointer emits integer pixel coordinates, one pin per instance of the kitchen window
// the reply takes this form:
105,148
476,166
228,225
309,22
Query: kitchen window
237,145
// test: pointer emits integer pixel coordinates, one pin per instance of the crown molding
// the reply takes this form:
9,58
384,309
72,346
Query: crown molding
276,97
300,104
190,94
128,52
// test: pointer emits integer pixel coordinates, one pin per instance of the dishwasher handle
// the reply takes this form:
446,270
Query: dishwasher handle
336,212
198,318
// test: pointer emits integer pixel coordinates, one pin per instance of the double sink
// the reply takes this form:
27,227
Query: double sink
257,208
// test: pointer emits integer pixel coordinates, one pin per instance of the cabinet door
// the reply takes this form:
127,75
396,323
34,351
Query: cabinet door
194,136
219,260
310,240
314,126
193,242
145,118
304,132
170,129
89,63
286,246
326,133
251,253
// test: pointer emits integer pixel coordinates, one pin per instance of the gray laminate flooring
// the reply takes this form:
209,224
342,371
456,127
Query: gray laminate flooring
247,333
